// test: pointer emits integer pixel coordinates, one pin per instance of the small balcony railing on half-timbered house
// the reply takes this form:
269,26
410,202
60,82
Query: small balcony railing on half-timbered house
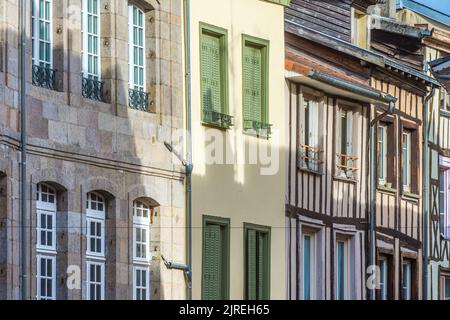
310,158
138,99
43,77
346,166
92,89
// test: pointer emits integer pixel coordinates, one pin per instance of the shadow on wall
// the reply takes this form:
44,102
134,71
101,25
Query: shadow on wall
79,146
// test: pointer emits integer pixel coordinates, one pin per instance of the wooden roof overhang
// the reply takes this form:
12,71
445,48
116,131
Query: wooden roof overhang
333,83
441,71
377,60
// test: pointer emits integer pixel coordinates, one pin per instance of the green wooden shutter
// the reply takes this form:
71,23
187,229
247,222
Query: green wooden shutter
253,80
251,265
212,273
211,73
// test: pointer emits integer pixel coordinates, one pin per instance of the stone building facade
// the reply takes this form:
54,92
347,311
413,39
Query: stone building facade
105,197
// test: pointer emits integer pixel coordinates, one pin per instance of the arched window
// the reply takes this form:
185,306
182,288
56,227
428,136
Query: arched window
95,246
142,213
45,242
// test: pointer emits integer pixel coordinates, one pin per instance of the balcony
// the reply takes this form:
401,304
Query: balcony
346,166
310,158
138,99
217,119
92,89
43,77
259,128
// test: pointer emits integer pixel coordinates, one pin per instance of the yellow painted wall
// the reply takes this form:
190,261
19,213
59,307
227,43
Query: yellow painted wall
238,191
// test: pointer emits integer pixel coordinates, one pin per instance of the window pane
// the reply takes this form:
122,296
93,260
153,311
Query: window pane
307,268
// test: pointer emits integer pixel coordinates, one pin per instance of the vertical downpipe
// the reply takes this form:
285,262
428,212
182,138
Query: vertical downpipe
372,201
23,161
426,169
187,35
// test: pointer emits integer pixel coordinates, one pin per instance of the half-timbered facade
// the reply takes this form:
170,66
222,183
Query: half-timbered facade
435,46
333,65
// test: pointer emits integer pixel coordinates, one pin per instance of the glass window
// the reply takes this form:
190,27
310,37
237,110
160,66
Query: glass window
346,161
95,224
45,217
46,278
312,152
41,32
406,280
384,278
447,288
307,266
136,40
341,270
406,154
141,283
382,154
91,39
141,230
95,280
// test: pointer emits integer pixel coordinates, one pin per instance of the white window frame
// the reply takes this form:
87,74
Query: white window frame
85,38
132,46
39,277
48,209
97,216
142,223
348,112
90,237
384,265
312,266
311,135
346,280
406,287
382,154
88,279
140,287
406,150
35,34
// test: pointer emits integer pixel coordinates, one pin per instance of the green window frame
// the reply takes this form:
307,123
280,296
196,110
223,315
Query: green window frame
216,258
257,262
214,76
255,86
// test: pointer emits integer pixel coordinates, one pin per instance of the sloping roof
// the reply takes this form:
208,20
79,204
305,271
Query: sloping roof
424,11
441,71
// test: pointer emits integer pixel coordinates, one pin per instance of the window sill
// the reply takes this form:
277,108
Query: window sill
215,126
92,256
410,196
253,133
385,189
306,170
345,179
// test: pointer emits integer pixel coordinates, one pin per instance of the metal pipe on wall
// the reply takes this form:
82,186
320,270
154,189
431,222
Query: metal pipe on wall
189,167
372,243
23,160
426,167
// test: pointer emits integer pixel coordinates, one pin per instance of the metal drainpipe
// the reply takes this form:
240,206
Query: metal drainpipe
189,166
23,144
426,165
373,123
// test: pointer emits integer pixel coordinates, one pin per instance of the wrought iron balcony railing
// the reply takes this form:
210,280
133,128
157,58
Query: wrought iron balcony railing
310,158
138,99
217,119
260,128
43,77
92,89
346,166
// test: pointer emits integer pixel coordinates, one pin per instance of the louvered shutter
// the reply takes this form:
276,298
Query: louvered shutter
251,265
253,84
212,275
211,73
260,261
